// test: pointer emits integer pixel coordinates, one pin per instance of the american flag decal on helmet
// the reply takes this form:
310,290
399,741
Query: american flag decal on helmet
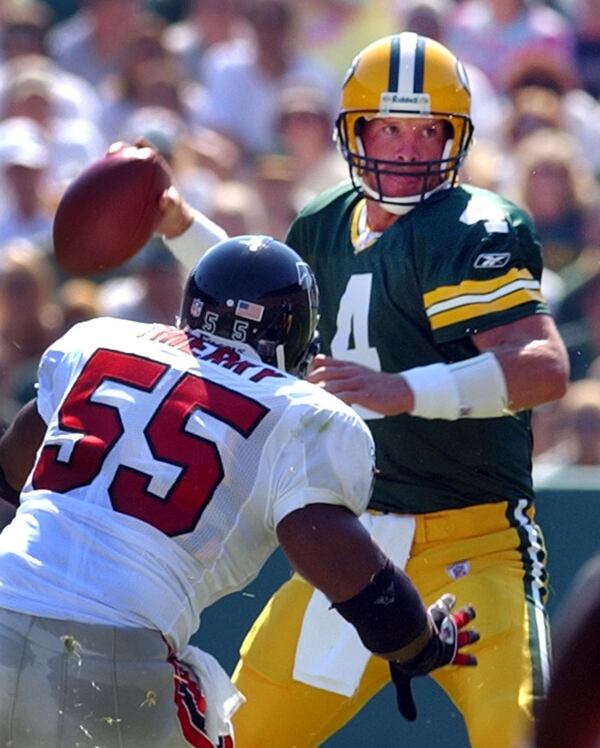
248,310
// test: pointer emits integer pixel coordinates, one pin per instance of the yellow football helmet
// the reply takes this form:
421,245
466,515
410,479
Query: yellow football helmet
404,75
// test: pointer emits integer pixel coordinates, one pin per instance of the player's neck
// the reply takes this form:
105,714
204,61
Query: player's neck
379,219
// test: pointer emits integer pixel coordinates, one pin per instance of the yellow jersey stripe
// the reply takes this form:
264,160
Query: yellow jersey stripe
474,286
355,228
482,298
360,235
471,311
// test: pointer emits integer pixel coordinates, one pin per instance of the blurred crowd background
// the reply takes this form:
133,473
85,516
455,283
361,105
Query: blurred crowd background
240,97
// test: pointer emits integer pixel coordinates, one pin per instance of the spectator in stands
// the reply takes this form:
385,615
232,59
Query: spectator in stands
73,142
29,202
149,76
92,42
206,23
304,126
151,289
494,35
29,320
555,184
576,427
533,108
74,97
238,208
484,165
24,25
275,183
585,15
79,300
218,153
580,112
332,31
243,81
545,422
578,316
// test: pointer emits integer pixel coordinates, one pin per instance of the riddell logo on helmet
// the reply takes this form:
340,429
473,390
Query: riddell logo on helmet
392,101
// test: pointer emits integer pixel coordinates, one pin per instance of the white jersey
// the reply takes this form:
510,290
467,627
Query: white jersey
167,464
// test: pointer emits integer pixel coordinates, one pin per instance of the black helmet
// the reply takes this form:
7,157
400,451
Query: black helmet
256,291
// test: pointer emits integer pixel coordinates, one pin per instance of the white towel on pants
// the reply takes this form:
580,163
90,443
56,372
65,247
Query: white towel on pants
330,654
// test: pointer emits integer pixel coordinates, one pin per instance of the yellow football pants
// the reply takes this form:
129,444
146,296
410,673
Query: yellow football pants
491,556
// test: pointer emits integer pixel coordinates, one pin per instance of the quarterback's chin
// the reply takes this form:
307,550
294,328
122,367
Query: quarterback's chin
392,186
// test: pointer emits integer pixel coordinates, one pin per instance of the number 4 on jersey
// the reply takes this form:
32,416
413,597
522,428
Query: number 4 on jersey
352,327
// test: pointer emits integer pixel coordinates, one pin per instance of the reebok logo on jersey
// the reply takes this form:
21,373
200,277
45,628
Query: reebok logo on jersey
492,260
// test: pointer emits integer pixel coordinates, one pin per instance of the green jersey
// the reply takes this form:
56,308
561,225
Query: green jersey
465,261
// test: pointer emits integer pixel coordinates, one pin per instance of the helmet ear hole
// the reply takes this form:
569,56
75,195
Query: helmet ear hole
359,126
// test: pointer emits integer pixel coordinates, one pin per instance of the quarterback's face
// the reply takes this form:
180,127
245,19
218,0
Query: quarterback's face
405,141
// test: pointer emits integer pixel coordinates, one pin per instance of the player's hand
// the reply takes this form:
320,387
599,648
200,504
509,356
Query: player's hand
355,384
176,215
444,648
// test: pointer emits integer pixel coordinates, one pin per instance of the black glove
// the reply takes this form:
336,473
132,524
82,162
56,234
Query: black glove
444,648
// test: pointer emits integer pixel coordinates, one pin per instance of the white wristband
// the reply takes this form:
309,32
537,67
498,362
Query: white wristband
481,386
434,390
193,243
474,388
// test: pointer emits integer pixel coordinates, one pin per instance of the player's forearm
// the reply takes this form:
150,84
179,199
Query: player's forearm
473,388
495,383
535,374
533,359
18,448
7,512
198,235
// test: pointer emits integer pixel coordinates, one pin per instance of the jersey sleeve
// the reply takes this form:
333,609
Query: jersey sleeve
53,379
490,277
329,458
59,363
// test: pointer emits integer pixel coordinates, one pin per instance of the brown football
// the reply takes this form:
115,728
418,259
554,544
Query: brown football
110,210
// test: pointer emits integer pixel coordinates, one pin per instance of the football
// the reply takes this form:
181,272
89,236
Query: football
110,210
